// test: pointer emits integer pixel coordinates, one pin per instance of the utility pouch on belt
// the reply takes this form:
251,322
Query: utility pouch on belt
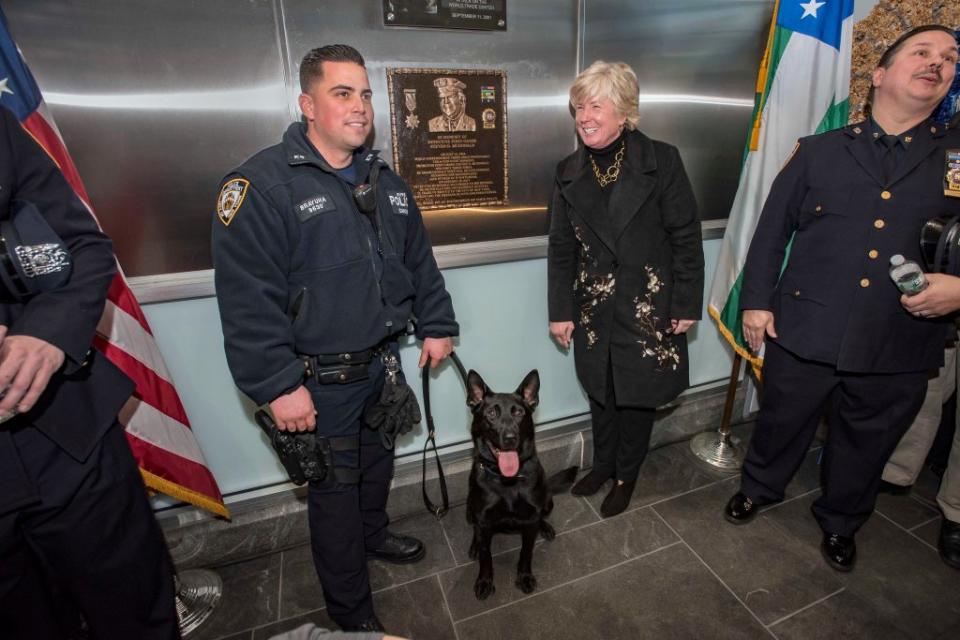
307,457
396,411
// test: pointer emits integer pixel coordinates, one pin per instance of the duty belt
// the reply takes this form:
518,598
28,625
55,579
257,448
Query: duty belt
341,368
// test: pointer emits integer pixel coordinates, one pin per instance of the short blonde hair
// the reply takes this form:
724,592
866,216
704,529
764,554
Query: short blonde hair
613,80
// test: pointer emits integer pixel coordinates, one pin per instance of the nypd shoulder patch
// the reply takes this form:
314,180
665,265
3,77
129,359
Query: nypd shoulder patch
230,198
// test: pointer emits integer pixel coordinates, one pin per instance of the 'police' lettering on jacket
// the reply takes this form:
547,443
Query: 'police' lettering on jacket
398,200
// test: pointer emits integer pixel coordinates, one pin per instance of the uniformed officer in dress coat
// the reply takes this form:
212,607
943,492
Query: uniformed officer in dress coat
77,532
837,338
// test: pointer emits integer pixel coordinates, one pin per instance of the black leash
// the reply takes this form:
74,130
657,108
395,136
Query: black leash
437,510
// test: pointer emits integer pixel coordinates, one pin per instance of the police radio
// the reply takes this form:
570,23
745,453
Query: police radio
365,195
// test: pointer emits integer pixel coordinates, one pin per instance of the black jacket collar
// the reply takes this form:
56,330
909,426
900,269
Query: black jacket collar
861,141
636,182
299,150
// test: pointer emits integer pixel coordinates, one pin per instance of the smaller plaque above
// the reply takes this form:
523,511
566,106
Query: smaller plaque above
487,15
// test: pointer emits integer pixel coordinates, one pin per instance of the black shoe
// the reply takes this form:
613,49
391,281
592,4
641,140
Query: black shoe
839,551
618,499
590,483
373,624
949,543
895,489
740,509
398,549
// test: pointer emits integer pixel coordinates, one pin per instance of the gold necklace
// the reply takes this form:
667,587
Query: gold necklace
613,171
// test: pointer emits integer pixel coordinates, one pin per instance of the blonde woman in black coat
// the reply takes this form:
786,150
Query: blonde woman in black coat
625,273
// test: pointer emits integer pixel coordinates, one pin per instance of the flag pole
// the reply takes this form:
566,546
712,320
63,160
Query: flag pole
720,448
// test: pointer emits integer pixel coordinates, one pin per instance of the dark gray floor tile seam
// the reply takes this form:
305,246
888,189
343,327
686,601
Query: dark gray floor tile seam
804,608
924,501
567,583
714,573
595,512
776,505
908,531
446,538
446,604
925,523
683,493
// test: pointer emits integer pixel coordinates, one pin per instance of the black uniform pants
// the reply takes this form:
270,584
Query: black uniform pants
92,540
621,435
348,519
867,415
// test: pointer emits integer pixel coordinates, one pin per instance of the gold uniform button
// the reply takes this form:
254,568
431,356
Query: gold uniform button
818,209
796,294
873,254
886,195
879,223
865,283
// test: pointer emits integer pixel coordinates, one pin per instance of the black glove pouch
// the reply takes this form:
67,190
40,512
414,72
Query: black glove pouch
395,412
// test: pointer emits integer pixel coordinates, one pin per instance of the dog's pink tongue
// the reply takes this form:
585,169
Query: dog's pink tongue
509,463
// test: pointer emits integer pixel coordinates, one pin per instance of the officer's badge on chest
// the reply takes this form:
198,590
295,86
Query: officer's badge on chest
230,198
398,201
951,174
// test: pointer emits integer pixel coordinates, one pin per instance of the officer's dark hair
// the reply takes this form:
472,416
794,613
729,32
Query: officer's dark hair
887,58
311,67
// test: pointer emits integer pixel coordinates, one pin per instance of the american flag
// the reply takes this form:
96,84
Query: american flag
156,424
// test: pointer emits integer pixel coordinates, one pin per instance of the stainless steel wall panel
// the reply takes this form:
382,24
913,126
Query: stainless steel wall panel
156,101
697,63
538,51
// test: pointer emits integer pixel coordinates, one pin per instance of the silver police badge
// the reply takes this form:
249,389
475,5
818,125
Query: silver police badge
42,259
230,198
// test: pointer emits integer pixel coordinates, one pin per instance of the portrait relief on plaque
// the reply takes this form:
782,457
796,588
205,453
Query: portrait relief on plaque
449,134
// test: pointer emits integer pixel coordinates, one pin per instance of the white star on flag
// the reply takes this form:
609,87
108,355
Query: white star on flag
810,8
4,88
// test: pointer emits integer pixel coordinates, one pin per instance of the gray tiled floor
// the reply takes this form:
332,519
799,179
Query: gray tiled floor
670,567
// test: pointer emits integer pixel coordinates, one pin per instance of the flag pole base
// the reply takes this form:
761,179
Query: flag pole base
718,449
198,594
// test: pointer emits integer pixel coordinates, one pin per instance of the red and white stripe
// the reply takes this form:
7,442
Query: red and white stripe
156,424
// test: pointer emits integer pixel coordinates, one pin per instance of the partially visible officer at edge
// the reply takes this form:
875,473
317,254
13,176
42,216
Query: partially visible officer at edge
313,296
74,516
837,337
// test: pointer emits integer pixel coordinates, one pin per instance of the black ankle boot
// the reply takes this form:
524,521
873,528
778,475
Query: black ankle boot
590,483
618,499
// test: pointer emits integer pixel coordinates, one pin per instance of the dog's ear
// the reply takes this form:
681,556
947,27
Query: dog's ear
477,389
529,389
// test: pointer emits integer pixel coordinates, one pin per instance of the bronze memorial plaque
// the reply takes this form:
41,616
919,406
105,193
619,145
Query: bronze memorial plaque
488,15
449,132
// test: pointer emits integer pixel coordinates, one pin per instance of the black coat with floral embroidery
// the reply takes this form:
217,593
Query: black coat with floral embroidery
622,273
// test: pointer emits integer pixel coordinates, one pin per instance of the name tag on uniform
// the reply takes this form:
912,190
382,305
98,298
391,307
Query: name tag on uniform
951,174
398,201
315,205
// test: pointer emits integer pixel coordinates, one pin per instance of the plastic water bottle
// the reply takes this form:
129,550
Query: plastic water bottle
907,275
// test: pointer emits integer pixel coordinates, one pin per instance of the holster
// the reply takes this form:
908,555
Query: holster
307,457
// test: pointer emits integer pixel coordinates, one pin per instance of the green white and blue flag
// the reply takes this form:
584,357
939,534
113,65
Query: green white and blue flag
803,87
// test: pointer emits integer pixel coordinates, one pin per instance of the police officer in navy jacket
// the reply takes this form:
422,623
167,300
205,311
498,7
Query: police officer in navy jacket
306,282
74,517
837,338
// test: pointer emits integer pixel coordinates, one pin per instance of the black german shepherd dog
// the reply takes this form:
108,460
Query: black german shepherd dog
509,491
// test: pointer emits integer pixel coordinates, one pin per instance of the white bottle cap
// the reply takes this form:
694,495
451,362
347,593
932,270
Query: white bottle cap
896,260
